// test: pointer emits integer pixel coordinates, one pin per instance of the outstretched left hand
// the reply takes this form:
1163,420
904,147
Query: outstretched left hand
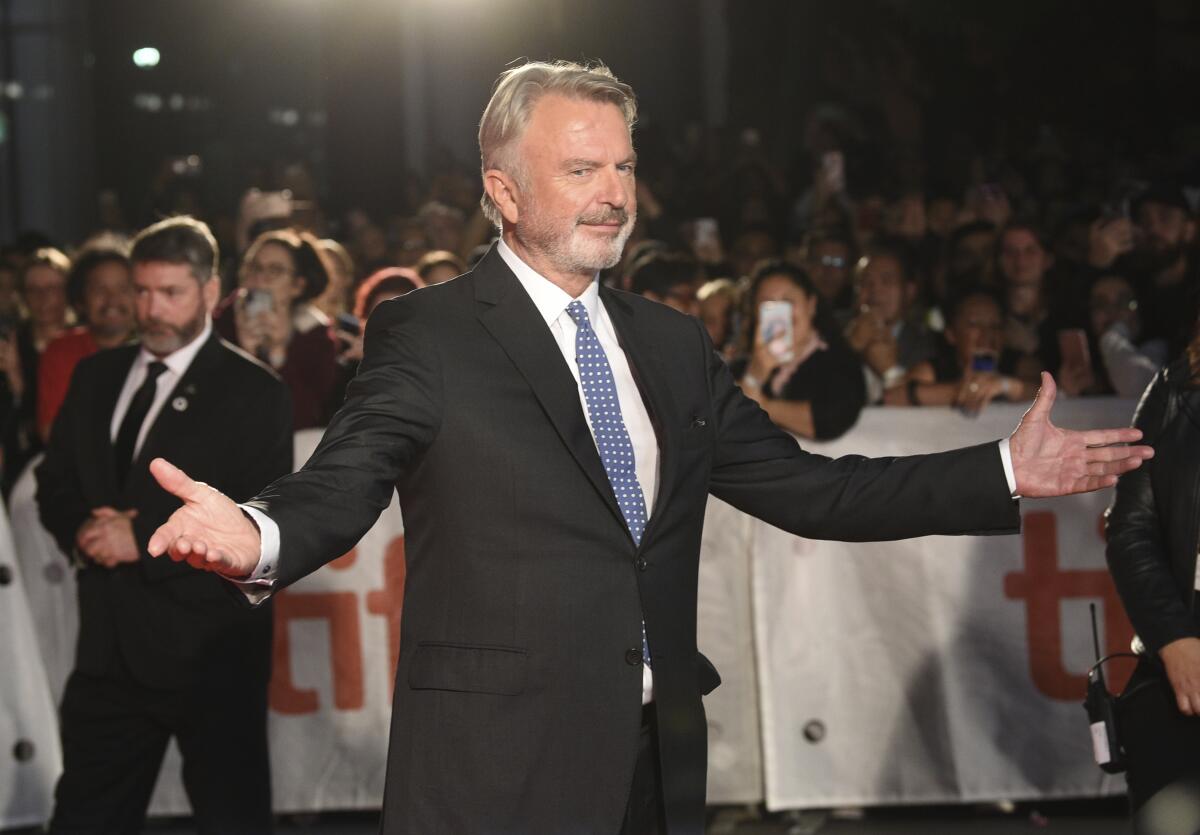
1049,461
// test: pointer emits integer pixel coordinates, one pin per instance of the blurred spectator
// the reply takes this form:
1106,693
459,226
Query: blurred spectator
1119,361
971,256
270,317
749,248
1023,261
388,283
100,288
718,303
829,258
443,226
335,301
43,288
10,294
1162,267
810,385
439,265
965,373
261,211
886,333
669,278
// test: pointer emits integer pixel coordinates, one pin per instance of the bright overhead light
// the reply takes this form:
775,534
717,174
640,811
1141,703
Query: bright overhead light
145,58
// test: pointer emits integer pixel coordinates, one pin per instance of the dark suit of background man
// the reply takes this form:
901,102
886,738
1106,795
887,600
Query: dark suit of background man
531,420
162,651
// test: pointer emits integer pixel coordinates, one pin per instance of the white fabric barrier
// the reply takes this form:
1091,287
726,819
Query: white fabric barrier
944,669
30,760
909,663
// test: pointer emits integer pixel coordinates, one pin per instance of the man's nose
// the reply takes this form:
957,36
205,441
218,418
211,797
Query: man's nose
612,188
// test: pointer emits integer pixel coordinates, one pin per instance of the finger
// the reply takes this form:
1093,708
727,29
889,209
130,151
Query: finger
1185,704
200,548
175,481
182,546
161,539
130,514
104,512
1113,467
1044,401
1107,437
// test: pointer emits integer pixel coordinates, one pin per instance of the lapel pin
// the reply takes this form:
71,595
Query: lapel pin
179,404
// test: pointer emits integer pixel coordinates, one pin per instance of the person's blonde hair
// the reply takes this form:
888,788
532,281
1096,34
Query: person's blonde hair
519,89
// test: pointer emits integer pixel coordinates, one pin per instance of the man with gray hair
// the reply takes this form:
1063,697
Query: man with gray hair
554,443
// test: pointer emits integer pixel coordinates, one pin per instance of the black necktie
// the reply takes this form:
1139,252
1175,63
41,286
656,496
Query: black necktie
135,416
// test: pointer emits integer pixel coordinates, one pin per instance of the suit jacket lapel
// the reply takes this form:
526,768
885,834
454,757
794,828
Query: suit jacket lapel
651,378
511,318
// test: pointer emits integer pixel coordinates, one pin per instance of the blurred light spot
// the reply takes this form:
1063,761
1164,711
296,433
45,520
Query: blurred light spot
14,90
146,57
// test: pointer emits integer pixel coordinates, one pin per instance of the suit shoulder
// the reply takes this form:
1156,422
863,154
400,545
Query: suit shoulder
108,359
432,303
238,365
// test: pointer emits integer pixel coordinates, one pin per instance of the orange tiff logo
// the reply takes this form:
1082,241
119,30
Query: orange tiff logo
1043,586
340,610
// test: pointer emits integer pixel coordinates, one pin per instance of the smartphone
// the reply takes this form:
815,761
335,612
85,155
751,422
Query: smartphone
257,301
984,361
775,329
705,233
833,170
1073,345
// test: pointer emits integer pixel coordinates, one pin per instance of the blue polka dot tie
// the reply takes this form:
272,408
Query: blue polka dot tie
612,438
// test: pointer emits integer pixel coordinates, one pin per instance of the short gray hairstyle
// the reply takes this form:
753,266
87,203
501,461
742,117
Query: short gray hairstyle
519,89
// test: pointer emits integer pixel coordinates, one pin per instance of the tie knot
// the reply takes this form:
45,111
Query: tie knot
154,370
578,313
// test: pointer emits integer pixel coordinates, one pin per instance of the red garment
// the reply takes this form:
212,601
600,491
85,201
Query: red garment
54,373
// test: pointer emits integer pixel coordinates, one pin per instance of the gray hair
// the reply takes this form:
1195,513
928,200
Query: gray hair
516,93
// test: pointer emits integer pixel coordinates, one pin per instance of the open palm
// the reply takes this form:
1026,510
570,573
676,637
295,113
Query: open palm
209,532
1050,461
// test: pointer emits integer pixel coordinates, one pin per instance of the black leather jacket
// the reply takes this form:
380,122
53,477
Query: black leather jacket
1154,521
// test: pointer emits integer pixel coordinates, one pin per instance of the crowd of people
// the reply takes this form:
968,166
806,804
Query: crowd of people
910,299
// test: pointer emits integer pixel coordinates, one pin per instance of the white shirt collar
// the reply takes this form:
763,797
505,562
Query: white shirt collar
178,361
550,299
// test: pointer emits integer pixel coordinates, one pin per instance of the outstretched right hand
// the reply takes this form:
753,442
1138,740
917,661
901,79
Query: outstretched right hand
209,532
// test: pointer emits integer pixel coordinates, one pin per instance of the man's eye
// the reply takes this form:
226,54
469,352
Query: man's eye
579,172
627,168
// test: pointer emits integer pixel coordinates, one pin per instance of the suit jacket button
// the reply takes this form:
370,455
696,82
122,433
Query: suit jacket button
642,565
633,657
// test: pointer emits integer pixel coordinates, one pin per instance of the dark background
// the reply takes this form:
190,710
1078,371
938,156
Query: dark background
372,94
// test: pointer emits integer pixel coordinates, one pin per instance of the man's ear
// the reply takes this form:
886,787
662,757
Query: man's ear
504,193
211,292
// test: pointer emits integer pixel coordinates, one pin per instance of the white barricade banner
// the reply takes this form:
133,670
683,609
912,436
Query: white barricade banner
943,669
937,670
30,760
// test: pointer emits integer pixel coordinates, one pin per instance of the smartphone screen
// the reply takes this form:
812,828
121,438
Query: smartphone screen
983,361
257,302
775,328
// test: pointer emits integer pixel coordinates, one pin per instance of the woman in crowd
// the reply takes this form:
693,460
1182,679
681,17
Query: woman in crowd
269,316
1153,536
718,302
334,302
43,287
378,287
813,386
1118,361
972,369
439,265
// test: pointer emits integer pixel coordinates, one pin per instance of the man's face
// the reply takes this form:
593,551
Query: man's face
172,305
974,252
681,297
1022,259
1165,229
882,289
108,300
576,196
46,295
829,268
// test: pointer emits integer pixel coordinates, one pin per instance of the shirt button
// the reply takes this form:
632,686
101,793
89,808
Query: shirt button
633,657
642,565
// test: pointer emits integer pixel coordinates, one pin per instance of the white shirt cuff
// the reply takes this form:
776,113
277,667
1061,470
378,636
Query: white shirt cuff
1005,459
261,582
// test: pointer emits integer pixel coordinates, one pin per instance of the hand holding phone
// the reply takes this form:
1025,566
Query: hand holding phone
775,331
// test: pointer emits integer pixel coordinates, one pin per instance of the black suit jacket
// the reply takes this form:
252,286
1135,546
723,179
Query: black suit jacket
168,621
518,690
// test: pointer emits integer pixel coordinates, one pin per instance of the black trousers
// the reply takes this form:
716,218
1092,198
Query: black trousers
114,735
1162,745
644,813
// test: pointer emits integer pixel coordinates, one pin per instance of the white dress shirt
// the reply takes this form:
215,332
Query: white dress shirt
177,364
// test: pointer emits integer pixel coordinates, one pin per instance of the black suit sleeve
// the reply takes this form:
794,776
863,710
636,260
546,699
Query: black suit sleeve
391,415
762,471
61,504
1137,555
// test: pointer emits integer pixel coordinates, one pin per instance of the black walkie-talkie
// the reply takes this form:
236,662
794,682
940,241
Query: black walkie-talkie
1101,707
